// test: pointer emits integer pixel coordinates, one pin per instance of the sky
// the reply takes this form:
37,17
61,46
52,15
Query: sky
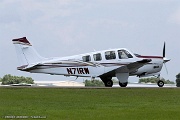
58,28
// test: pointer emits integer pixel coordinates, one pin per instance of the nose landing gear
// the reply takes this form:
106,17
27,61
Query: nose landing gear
160,83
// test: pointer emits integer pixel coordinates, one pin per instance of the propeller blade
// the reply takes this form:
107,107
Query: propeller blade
164,50
164,58
164,54
166,68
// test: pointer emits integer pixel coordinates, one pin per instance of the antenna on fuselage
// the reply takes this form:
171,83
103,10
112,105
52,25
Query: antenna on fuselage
76,78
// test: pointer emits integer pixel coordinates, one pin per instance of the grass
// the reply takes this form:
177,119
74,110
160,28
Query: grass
84,104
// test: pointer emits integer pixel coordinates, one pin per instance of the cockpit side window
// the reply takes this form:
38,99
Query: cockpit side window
86,58
109,55
97,57
123,54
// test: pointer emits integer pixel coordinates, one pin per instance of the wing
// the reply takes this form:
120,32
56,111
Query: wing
59,63
131,67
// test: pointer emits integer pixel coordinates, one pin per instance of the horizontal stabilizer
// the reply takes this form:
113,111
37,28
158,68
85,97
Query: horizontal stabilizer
27,67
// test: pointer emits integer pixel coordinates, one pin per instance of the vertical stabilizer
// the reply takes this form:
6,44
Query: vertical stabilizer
26,53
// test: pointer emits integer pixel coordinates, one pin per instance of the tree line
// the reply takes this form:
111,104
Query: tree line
10,79
178,80
154,80
99,83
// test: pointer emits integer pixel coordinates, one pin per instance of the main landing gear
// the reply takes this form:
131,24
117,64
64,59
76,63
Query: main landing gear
107,81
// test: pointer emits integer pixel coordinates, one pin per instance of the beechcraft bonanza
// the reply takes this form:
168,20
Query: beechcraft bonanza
120,63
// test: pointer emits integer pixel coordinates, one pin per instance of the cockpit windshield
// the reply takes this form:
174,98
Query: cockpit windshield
123,54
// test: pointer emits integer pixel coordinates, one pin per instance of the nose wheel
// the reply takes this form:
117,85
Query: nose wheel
160,83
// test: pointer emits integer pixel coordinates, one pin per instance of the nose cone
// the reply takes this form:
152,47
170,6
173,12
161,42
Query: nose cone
166,60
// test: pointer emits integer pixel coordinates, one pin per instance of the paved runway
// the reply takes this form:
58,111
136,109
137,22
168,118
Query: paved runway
131,85
146,85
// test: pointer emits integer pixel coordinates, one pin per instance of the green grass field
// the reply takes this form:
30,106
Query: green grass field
84,104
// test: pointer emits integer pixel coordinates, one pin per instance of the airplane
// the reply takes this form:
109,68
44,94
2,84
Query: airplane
105,64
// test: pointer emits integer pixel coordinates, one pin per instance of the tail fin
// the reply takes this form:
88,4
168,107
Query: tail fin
26,53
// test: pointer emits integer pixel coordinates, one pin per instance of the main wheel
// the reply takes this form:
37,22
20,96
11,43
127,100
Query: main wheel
108,83
123,84
160,83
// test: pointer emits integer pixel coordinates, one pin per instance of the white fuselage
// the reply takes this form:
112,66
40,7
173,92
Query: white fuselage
104,65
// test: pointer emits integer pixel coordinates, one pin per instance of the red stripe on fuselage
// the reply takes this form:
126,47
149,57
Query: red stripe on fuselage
159,57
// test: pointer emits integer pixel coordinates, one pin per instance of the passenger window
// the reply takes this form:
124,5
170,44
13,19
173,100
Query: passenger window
97,57
110,55
86,58
123,54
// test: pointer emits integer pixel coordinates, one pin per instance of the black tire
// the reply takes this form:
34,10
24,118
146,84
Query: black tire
160,83
108,83
123,84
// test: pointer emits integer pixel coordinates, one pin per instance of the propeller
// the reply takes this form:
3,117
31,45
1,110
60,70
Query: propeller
166,68
164,50
164,57
164,54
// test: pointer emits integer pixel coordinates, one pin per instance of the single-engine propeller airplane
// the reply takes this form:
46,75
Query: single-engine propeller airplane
120,63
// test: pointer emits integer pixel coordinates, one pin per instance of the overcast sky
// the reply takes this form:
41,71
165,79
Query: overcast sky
66,27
